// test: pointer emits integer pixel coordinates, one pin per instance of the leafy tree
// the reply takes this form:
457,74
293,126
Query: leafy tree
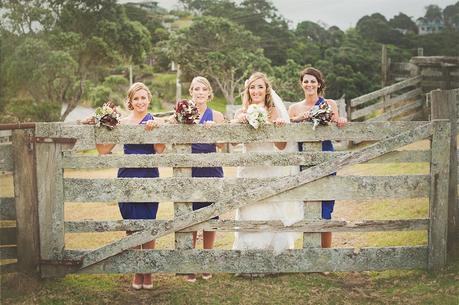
403,22
218,49
286,81
451,16
377,28
433,12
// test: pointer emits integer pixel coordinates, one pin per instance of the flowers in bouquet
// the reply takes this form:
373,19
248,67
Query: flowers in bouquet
320,114
107,116
256,115
186,112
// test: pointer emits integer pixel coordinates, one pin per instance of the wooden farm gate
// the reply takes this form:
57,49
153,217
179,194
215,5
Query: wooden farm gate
54,154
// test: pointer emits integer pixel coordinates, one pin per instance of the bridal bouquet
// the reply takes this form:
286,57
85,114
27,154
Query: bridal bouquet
320,114
107,116
256,115
186,112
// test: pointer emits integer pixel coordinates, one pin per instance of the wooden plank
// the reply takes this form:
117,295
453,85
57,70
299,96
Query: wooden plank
8,268
402,97
312,209
8,236
10,252
398,111
254,226
386,90
182,240
434,60
257,193
7,208
439,171
180,133
72,160
444,106
211,189
25,193
50,199
260,261
6,157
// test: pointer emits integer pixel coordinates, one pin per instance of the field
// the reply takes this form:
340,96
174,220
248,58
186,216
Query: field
388,287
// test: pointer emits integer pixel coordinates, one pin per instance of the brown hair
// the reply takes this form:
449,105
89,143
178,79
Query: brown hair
318,75
132,90
246,99
203,81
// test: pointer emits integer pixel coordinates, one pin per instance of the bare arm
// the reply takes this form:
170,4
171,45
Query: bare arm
340,121
274,116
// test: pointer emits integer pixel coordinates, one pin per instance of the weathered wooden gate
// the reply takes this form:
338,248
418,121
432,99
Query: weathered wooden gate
54,154
229,194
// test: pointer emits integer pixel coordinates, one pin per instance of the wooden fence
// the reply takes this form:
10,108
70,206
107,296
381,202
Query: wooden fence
40,202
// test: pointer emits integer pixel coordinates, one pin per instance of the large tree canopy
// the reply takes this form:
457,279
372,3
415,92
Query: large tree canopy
219,49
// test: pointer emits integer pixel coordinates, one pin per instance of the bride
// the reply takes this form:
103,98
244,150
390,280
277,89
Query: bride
258,90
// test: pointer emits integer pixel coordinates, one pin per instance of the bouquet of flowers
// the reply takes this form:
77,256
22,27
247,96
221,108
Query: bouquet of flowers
107,116
320,114
256,115
186,112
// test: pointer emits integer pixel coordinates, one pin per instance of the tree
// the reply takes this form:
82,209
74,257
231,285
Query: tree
403,22
433,12
451,16
258,16
286,81
219,49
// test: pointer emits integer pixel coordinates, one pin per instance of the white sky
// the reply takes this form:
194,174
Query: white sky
343,13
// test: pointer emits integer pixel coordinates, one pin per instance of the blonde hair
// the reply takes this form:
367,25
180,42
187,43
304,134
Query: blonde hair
132,91
203,81
247,100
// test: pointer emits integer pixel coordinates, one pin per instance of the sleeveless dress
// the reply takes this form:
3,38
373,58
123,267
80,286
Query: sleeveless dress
327,205
205,148
139,210
275,241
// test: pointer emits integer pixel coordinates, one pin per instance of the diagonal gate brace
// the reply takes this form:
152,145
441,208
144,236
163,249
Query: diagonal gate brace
258,193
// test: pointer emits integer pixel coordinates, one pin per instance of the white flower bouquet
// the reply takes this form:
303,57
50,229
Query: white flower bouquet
256,115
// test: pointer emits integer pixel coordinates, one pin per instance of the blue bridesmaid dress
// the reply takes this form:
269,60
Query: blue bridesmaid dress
327,205
139,210
204,148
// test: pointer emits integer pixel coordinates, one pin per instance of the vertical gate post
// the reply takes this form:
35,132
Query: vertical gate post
443,106
312,209
182,240
25,193
438,203
50,202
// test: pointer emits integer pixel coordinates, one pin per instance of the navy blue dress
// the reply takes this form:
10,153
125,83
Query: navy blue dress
139,210
327,205
205,148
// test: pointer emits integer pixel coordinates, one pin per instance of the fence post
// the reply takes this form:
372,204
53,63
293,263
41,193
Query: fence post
443,106
25,193
182,240
50,202
312,209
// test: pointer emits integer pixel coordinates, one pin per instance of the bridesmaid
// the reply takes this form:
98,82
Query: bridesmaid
201,93
313,84
138,100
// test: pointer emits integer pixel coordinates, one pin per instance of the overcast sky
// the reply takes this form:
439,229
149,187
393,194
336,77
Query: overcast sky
343,13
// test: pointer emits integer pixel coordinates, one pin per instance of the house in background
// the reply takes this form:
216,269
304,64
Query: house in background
426,26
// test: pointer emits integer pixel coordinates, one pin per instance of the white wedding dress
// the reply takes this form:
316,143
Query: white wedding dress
288,212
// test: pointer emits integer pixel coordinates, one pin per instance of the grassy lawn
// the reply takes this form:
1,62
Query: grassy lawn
387,287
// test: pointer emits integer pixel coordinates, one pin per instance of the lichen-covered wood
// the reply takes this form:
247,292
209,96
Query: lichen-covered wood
7,208
398,111
212,189
6,157
257,193
233,133
50,199
299,260
72,160
439,171
9,252
25,193
254,226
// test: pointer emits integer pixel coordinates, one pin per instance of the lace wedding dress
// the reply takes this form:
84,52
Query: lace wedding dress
288,212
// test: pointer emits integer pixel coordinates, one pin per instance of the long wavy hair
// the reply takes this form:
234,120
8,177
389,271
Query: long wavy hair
247,100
